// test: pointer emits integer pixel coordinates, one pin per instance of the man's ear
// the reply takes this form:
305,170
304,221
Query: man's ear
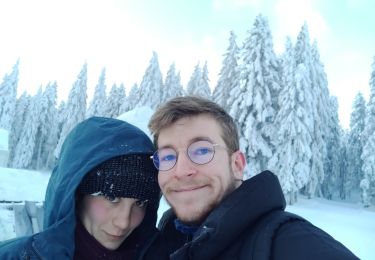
238,164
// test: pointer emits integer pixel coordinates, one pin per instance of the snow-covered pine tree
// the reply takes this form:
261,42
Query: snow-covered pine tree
346,183
368,155
259,81
194,80
97,105
124,101
115,99
121,99
22,106
25,148
75,107
172,86
292,138
56,133
355,143
151,87
108,108
325,121
46,138
228,74
198,83
331,181
367,184
132,99
236,107
8,98
204,90
304,57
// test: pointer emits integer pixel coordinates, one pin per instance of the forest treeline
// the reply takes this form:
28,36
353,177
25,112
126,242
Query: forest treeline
287,119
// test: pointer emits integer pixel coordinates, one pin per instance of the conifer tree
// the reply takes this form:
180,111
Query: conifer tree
204,90
193,83
228,74
355,142
172,85
326,123
346,182
132,100
46,139
25,148
331,181
125,103
292,138
115,100
59,121
97,105
150,89
368,156
8,98
259,82
22,106
75,107
198,84
315,84
108,108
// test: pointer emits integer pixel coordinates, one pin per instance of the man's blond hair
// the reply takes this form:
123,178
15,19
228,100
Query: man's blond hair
190,106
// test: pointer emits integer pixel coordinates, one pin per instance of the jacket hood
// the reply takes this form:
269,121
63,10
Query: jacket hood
89,144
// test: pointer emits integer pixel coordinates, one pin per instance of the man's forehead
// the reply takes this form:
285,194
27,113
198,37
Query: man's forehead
171,143
188,130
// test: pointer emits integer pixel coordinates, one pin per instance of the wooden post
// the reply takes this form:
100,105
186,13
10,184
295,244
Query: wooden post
32,211
22,223
40,216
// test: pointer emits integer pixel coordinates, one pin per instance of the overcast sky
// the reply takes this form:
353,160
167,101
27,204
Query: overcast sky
53,39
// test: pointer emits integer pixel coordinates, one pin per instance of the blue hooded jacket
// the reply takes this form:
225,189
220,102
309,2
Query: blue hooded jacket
90,143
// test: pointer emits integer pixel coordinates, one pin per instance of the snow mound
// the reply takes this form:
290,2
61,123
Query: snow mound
139,117
20,185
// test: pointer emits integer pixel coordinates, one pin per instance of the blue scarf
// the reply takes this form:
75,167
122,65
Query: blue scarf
184,228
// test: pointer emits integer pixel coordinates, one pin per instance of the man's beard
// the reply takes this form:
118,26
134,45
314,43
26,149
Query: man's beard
197,217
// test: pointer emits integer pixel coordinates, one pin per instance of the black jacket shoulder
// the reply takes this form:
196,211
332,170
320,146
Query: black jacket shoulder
303,240
230,230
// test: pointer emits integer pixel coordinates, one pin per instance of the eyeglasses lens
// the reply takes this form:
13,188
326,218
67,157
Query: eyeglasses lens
201,152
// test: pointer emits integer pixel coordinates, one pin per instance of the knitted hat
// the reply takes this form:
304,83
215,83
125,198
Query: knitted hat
126,176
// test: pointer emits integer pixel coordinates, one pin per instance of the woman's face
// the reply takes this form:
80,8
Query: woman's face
110,221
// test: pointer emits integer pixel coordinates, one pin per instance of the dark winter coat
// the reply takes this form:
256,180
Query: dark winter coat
91,142
229,231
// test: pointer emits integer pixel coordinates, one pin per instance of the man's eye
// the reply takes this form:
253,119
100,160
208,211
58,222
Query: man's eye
112,199
169,157
141,203
202,151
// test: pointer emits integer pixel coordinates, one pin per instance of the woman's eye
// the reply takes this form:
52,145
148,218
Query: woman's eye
141,203
112,199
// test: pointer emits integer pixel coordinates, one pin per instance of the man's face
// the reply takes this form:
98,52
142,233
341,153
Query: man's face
193,190
111,221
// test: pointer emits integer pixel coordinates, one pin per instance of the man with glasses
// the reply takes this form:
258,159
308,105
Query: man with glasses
214,213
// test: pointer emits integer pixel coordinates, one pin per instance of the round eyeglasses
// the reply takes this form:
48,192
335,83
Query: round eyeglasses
199,152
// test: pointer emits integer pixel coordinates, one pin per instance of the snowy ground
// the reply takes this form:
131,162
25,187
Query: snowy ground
347,222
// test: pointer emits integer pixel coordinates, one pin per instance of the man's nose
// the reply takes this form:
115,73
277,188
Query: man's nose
184,166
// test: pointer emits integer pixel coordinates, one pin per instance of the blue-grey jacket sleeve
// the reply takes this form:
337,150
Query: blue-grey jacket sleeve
18,248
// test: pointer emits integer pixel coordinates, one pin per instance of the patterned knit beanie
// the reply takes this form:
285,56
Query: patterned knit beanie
126,176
